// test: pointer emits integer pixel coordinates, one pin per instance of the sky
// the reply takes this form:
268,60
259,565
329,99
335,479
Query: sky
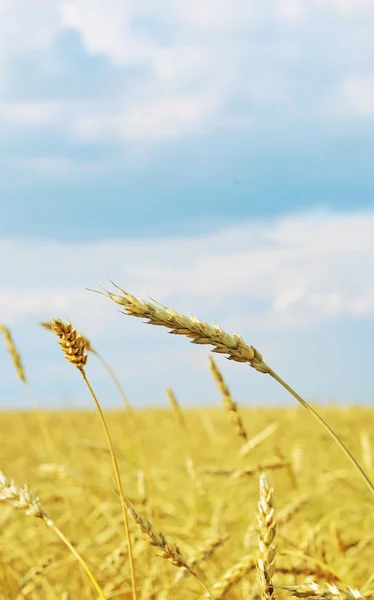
215,156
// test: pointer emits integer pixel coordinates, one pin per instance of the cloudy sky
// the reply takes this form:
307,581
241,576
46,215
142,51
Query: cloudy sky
217,156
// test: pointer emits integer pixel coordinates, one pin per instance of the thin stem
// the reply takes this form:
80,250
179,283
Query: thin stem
207,590
51,524
327,427
42,421
115,381
138,435
118,481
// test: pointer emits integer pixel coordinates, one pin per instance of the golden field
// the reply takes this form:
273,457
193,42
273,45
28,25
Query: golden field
181,504
328,535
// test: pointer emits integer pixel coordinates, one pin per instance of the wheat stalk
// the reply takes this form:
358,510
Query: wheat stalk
134,421
23,498
245,471
181,423
73,346
233,346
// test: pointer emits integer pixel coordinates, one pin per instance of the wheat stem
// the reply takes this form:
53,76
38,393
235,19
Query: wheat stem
327,427
73,346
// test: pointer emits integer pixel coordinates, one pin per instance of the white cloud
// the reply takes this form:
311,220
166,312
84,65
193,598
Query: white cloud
346,7
59,166
157,120
358,95
30,113
288,273
191,67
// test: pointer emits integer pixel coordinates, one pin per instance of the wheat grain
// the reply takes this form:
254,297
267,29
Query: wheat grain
72,343
87,344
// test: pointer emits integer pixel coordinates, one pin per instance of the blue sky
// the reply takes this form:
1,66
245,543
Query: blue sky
216,156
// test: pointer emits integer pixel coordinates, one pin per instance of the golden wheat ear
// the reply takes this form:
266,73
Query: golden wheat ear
267,549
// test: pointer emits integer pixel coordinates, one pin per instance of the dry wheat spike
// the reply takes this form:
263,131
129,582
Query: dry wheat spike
327,590
228,402
72,343
168,550
87,344
267,548
191,327
15,355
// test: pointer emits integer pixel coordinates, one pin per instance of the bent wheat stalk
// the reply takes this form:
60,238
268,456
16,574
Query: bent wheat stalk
73,346
233,346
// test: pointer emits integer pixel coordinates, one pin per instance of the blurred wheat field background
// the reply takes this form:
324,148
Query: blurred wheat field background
242,503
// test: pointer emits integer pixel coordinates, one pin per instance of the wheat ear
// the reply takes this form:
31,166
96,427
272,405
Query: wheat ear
168,550
326,590
267,548
228,402
21,497
21,374
73,347
233,346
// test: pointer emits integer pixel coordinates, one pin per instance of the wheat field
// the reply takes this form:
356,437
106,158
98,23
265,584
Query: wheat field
178,503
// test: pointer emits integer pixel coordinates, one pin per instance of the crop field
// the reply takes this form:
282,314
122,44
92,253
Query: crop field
180,504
